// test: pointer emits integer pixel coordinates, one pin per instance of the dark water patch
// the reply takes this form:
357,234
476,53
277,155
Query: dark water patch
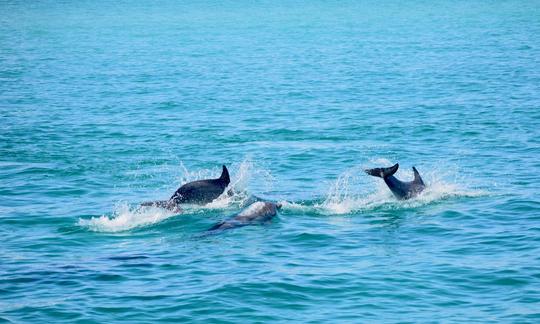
128,257
62,283
108,277
137,265
113,310
311,238
70,230
509,282
168,266
21,280
145,298
520,206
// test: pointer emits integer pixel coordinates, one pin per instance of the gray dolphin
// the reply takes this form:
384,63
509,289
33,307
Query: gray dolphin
402,190
257,213
195,192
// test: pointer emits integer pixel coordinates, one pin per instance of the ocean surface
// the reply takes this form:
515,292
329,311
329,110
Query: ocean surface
106,104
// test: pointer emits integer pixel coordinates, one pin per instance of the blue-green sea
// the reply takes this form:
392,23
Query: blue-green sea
106,104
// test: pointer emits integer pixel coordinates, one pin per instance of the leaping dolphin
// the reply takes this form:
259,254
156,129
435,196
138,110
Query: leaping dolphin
195,192
257,213
402,190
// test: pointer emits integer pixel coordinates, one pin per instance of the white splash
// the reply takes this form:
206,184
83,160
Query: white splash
125,218
290,205
342,198
236,194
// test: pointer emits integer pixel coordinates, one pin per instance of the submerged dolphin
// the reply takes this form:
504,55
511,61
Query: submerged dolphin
257,213
195,192
400,189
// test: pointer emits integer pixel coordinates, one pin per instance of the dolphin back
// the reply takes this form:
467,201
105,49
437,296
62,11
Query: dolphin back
259,212
202,191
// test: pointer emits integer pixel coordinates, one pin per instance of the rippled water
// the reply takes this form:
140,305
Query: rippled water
104,105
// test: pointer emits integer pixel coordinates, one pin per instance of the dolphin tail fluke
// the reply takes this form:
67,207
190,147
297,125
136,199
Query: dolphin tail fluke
383,172
225,176
417,177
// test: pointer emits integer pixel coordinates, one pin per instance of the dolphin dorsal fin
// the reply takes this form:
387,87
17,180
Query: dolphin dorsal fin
417,177
225,176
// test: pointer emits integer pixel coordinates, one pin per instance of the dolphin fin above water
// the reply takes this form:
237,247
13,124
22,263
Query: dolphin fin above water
195,192
202,191
417,177
400,189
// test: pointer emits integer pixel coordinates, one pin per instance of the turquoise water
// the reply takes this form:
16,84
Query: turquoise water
107,104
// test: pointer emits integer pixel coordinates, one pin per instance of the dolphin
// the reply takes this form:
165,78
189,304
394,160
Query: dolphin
196,192
257,213
402,190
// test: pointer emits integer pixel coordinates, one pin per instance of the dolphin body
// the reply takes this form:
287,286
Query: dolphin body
257,213
196,192
402,190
